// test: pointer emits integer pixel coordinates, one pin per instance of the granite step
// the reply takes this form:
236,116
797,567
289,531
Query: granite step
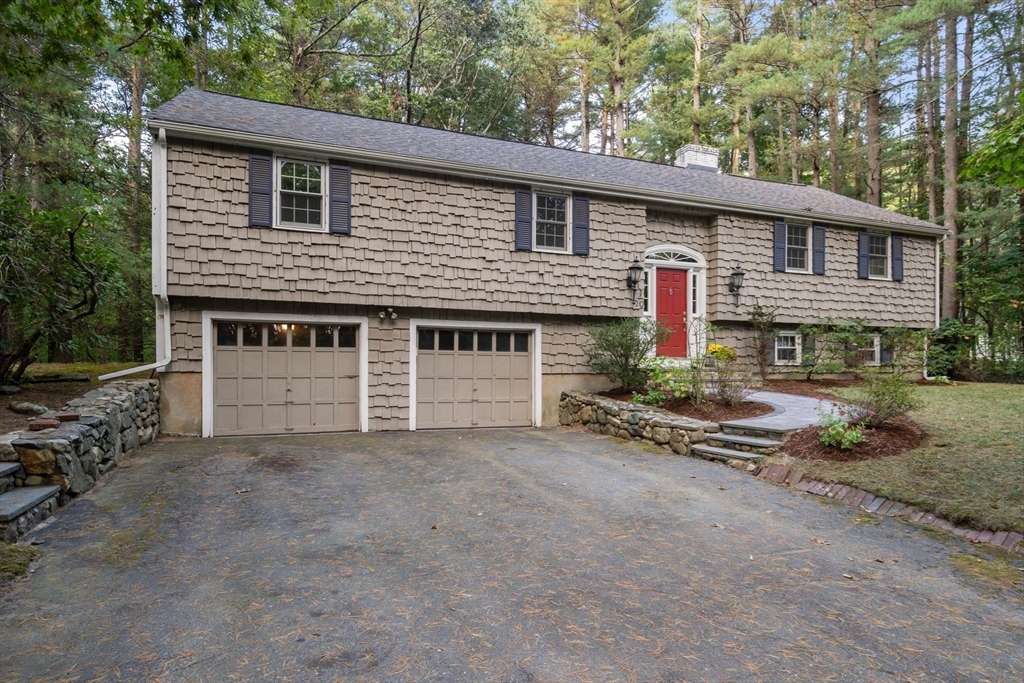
8,468
716,453
740,440
17,502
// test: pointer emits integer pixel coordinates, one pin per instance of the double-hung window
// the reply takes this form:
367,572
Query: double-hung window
551,222
787,349
300,193
878,256
797,246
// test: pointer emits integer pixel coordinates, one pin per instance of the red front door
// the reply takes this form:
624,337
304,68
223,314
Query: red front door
672,300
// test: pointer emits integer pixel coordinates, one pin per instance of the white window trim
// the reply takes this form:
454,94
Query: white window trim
876,340
799,349
698,267
324,193
810,249
888,257
209,339
536,328
568,220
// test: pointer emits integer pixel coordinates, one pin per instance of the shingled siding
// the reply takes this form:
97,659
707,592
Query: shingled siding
430,241
746,241
680,229
561,352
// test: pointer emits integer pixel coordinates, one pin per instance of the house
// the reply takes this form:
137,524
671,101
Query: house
315,271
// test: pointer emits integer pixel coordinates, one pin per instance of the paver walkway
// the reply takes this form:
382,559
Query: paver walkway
489,555
792,412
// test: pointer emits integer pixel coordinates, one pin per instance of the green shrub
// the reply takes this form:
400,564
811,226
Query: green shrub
888,396
838,433
619,350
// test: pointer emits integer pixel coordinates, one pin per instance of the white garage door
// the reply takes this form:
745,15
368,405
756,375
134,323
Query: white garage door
473,378
283,378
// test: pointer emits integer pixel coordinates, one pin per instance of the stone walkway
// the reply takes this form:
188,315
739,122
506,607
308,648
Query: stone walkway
792,412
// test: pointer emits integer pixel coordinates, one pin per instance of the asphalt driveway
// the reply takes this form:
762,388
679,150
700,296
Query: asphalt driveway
505,555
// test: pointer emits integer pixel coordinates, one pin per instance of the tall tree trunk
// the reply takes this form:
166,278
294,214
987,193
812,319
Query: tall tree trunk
794,160
966,83
751,143
135,130
584,110
950,299
604,128
420,9
920,97
735,169
619,144
698,47
833,139
815,158
780,160
931,74
873,118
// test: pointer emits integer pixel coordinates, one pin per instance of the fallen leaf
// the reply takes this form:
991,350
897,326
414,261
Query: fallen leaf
242,490
722,488
848,576
434,526
820,541
718,526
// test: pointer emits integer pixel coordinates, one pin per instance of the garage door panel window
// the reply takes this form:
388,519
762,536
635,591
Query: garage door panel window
324,336
445,340
301,335
346,337
227,334
465,341
425,340
484,341
252,335
522,342
503,342
277,335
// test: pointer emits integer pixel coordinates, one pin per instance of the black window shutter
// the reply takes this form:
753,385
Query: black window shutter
818,261
524,220
261,190
780,247
863,254
341,200
581,226
884,352
897,258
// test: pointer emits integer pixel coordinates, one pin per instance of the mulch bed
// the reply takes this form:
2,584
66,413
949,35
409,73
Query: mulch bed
812,387
709,412
893,438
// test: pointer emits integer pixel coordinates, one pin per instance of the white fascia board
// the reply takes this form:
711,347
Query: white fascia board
403,161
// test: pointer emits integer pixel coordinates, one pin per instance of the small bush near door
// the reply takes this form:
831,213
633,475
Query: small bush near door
618,350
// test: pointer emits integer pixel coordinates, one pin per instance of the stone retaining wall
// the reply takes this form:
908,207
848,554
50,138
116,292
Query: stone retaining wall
631,421
113,423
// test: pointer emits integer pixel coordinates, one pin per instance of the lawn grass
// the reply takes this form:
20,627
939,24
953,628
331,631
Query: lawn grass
970,468
14,561
94,370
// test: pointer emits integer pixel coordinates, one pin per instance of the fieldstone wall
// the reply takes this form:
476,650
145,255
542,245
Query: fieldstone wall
630,421
94,434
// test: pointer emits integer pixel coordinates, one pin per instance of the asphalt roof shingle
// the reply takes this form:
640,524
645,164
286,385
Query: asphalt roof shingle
230,114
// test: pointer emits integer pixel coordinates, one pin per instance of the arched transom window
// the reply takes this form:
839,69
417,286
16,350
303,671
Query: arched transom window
674,254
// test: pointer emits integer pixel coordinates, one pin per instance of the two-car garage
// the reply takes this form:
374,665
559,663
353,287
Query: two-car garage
307,374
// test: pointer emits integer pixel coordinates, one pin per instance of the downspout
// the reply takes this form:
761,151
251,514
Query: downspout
159,263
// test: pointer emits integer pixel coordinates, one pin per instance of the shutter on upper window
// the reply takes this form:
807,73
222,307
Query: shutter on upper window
261,190
863,254
897,258
581,226
524,220
818,261
780,247
341,200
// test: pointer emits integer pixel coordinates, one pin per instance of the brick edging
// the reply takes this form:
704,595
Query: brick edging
867,501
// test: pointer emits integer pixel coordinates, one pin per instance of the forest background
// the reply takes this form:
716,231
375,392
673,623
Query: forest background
914,106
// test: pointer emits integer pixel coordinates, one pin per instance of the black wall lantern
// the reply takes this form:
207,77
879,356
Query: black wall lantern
634,276
736,282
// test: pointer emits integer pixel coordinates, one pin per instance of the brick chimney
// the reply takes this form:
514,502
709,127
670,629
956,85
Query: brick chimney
698,158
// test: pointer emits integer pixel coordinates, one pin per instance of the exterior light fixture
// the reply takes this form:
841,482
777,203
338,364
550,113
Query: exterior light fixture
736,282
634,276
389,314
